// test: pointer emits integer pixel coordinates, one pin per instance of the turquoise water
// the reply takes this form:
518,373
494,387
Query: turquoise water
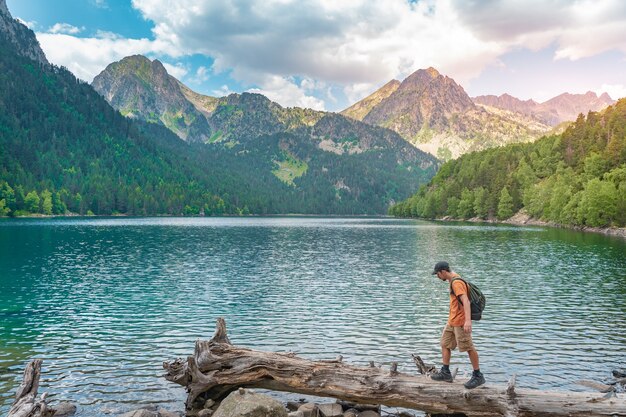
105,301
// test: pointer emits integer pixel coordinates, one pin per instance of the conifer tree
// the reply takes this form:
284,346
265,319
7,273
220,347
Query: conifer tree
505,206
31,202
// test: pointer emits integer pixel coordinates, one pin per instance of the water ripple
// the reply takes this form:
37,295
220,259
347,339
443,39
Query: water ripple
105,301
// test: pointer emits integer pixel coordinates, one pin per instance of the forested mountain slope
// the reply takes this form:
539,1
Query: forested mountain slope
577,178
64,148
333,163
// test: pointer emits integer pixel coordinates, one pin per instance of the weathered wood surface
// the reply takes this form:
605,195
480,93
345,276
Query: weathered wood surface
218,367
26,403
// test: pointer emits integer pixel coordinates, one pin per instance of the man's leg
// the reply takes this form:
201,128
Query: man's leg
466,345
446,354
473,355
477,378
448,342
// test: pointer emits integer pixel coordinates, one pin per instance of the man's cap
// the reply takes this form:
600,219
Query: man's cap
441,266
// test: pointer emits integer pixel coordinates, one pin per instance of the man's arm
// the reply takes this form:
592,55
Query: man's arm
467,326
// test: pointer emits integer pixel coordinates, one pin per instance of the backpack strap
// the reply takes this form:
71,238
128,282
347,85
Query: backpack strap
458,297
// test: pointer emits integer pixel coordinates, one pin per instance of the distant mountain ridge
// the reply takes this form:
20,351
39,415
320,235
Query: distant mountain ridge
506,102
141,88
312,151
562,108
435,114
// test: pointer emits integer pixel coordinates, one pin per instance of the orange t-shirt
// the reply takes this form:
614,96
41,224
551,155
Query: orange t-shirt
457,315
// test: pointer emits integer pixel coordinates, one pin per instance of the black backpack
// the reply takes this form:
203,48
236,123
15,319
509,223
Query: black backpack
476,297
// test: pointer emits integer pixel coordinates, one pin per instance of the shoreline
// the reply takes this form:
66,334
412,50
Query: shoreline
522,218
519,219
179,216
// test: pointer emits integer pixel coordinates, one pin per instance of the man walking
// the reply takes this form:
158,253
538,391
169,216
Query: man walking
458,330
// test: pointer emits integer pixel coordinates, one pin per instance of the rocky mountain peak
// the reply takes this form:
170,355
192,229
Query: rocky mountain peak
422,76
432,72
139,87
361,108
248,99
606,97
134,61
435,113
20,36
424,100
138,65
425,76
443,91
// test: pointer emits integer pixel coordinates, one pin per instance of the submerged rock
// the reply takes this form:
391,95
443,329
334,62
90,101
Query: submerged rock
331,410
166,413
64,409
308,410
245,403
368,413
140,413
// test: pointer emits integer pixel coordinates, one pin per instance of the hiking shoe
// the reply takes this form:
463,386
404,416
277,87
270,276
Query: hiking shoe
475,381
442,375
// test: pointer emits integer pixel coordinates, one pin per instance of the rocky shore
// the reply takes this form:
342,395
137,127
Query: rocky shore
521,218
248,403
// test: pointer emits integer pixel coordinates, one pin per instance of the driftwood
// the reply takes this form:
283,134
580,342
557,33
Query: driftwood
26,403
218,367
616,385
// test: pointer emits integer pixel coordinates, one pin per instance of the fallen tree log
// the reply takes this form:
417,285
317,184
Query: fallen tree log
26,403
217,368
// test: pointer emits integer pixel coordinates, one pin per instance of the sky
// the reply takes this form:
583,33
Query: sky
328,54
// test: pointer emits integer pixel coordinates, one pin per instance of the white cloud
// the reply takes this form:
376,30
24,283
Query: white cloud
592,39
104,34
87,57
201,75
32,25
333,43
102,4
65,28
350,45
358,91
338,42
178,70
222,91
287,93
580,29
616,91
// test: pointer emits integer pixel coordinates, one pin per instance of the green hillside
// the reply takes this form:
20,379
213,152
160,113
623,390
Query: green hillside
63,149
577,178
328,163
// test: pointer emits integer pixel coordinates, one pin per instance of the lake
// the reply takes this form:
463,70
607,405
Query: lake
104,301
